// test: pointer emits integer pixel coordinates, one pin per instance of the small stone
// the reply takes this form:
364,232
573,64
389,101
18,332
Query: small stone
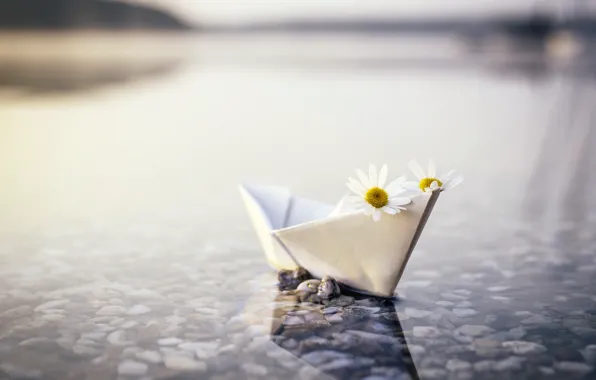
416,313
463,313
328,288
425,332
118,338
85,351
522,347
51,305
444,303
331,310
16,312
169,341
432,373
374,337
293,321
53,317
340,301
546,371
463,304
484,365
497,288
20,373
111,310
254,369
510,364
576,367
149,356
473,330
93,335
132,368
537,320
335,318
458,365
182,363
416,349
38,341
290,279
138,310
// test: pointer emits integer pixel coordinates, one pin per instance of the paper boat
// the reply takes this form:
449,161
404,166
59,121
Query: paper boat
361,254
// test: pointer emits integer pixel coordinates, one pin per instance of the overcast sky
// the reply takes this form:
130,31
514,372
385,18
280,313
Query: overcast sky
252,10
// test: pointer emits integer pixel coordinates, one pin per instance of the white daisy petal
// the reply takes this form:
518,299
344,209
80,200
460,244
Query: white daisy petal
372,175
363,178
383,176
368,209
399,201
455,180
356,186
376,215
395,186
432,169
416,169
389,210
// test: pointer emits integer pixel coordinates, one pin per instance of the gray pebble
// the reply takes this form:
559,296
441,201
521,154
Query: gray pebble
138,310
182,363
149,356
576,367
111,310
132,368
425,332
457,365
521,347
463,313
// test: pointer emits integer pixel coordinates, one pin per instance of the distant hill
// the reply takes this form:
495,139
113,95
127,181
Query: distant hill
84,14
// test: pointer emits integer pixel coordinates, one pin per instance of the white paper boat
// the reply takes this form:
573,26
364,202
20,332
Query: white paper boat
365,255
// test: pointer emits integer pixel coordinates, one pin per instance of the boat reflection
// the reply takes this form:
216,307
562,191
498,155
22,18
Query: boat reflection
347,339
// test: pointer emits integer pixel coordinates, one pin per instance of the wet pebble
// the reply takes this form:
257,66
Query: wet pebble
574,367
425,332
458,365
182,363
463,313
138,310
149,356
169,341
132,368
111,310
521,347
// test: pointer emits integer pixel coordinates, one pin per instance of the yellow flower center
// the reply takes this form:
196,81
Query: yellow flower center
425,182
376,197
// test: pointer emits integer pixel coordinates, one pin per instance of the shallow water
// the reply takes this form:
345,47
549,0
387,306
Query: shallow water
125,250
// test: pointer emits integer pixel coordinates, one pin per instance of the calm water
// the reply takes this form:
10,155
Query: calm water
125,251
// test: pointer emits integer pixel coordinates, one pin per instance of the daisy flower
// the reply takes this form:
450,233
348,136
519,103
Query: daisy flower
429,181
374,197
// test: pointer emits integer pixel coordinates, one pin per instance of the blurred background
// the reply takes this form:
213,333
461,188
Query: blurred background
141,117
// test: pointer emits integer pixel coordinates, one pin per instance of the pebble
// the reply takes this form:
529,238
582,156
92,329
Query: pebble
53,317
149,356
51,305
444,303
522,347
335,318
497,288
374,337
416,313
331,310
576,367
432,373
473,330
169,341
537,320
118,338
463,313
182,363
132,368
546,370
111,310
293,320
457,365
138,310
254,369
512,363
425,332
